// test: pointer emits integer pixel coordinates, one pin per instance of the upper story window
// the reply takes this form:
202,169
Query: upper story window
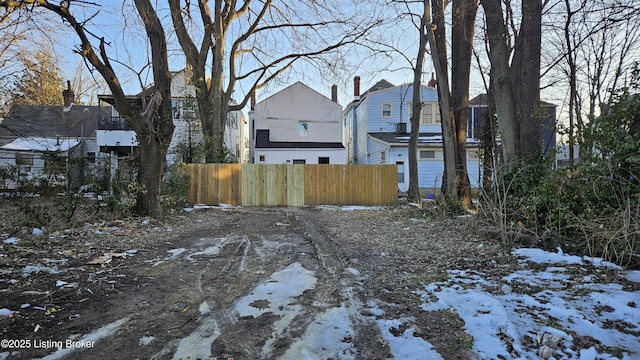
427,111
430,114
303,129
386,110
184,110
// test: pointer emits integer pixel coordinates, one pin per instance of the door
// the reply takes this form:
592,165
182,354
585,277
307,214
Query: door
403,185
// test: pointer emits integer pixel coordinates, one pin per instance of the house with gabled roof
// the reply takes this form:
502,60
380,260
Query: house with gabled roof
30,136
376,128
297,125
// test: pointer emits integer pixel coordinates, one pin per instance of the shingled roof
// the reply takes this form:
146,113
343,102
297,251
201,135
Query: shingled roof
34,121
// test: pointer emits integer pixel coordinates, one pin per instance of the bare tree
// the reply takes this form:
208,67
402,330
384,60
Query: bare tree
599,43
153,125
517,82
423,25
251,42
464,14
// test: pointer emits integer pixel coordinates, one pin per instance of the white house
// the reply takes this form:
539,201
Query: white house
377,127
297,125
115,135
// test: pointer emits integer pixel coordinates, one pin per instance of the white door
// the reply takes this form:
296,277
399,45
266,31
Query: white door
403,184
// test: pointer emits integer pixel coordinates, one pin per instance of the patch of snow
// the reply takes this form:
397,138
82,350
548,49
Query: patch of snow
505,320
11,240
353,271
545,257
93,337
204,308
146,340
327,337
406,346
277,296
29,269
349,207
632,275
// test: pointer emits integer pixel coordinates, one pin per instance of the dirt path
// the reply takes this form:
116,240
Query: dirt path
241,284
309,283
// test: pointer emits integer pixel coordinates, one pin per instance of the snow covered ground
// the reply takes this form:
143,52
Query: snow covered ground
530,313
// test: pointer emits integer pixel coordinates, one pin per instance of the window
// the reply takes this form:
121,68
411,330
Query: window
386,110
323,160
427,154
91,157
400,165
24,159
383,157
299,161
261,158
303,129
428,116
54,163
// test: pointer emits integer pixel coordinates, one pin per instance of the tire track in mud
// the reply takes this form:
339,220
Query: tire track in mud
260,284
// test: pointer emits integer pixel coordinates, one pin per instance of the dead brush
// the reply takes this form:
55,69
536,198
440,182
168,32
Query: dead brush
615,238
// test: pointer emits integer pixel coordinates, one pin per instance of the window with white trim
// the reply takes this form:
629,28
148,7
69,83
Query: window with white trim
430,155
386,110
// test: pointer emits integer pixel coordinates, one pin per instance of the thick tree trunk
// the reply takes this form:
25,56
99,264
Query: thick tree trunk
526,70
437,44
501,78
155,138
464,15
152,159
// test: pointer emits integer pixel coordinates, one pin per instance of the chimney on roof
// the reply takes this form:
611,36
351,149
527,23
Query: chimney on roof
334,93
356,88
68,96
253,100
433,83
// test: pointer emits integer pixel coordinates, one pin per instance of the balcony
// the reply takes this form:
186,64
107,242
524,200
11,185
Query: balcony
112,123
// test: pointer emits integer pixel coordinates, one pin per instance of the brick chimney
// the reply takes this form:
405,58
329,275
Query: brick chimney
68,96
356,88
334,93
433,83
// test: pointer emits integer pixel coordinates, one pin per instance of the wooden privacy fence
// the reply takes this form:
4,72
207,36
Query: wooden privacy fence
292,185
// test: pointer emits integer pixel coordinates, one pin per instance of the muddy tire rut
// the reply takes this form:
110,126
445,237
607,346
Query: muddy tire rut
243,284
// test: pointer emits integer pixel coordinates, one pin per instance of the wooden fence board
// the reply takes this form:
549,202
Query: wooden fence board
291,185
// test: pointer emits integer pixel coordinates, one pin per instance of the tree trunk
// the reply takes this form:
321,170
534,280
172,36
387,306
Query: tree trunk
416,110
501,78
437,43
155,139
463,24
526,70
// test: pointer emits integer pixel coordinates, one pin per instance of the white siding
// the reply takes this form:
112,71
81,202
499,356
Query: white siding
283,112
310,156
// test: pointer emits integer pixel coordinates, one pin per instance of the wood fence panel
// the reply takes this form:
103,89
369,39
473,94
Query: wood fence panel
214,184
292,185
272,185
